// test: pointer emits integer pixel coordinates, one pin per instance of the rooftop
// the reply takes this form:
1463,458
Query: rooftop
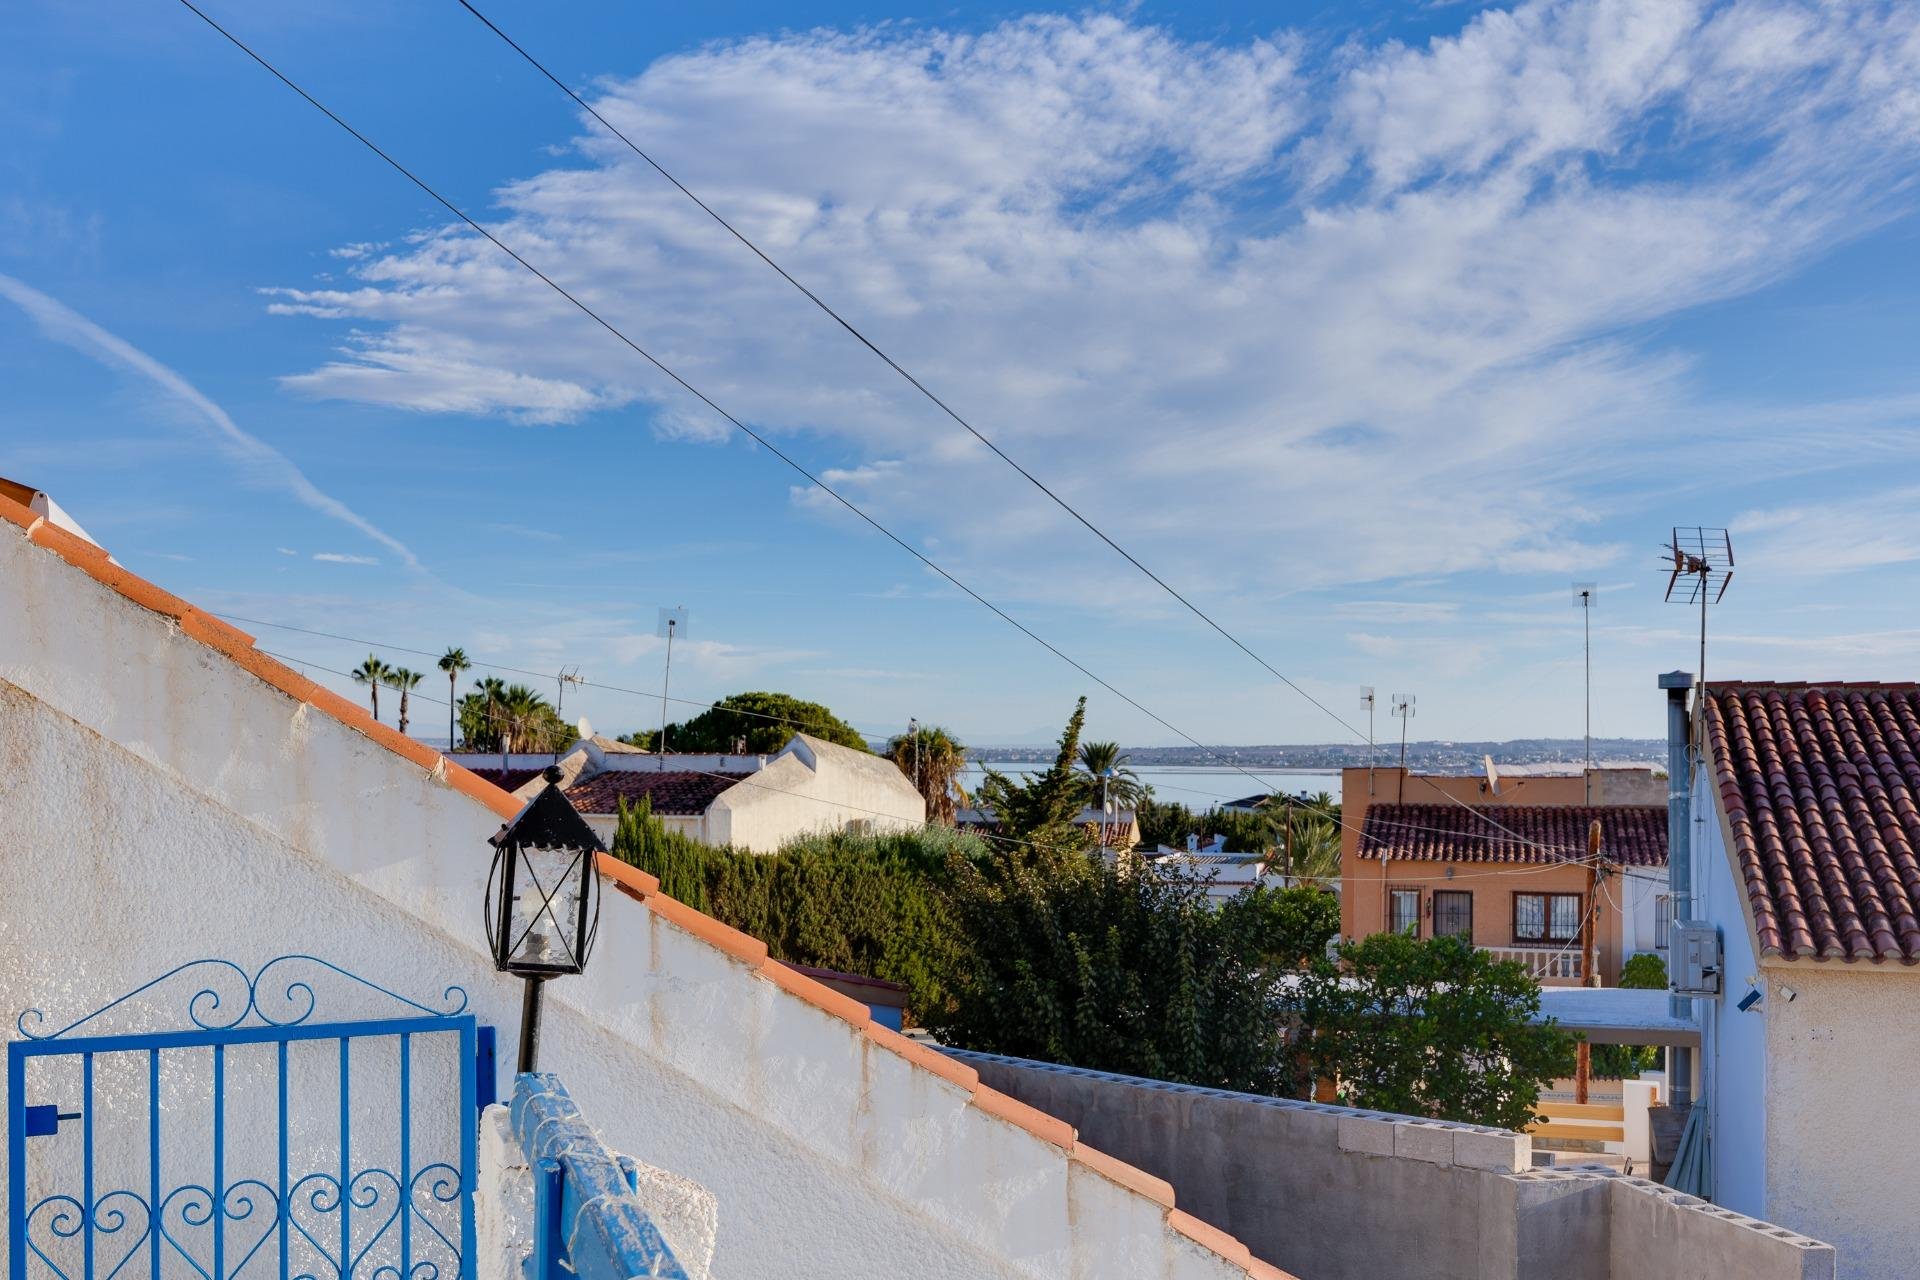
1818,784
1630,835
677,792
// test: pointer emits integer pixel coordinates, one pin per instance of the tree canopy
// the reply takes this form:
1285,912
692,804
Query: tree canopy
1041,810
1429,1027
756,723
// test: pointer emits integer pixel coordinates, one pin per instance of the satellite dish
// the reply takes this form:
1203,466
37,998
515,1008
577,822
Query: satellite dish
586,729
1493,775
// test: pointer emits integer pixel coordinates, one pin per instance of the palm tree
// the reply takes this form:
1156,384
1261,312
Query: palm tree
936,761
453,662
520,715
480,713
373,674
404,680
1104,762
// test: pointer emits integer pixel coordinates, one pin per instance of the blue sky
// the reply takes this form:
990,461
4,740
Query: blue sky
1371,327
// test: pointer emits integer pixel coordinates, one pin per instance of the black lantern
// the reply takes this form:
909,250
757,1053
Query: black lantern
543,898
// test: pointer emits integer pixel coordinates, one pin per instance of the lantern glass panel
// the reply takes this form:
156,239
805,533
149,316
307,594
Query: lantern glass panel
546,908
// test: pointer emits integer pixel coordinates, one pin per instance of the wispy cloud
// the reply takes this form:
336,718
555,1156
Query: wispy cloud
262,463
336,557
1366,304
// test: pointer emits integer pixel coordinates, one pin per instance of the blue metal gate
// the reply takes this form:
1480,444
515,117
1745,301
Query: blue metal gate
253,1143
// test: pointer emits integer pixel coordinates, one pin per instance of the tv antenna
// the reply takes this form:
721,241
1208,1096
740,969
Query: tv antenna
672,622
1583,596
567,676
1700,565
1403,707
1366,704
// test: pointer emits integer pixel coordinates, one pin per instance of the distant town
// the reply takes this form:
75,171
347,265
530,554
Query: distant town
1425,757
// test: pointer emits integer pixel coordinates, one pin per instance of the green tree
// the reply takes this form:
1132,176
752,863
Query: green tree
752,723
528,722
935,761
868,903
1307,840
1113,968
405,681
453,662
1165,822
482,722
1645,972
372,673
1289,928
1122,788
1429,1027
1042,809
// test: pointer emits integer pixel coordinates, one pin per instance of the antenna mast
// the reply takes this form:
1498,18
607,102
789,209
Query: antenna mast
1366,700
1403,707
671,621
567,676
1583,594
1700,567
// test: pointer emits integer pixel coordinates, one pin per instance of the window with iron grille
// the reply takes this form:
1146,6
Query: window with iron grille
1453,914
1545,917
1404,911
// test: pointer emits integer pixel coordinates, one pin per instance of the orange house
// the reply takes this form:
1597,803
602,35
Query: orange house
1446,855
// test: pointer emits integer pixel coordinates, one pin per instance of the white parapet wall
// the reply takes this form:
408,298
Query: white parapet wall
1336,1193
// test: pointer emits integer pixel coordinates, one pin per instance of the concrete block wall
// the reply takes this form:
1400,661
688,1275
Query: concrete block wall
1336,1193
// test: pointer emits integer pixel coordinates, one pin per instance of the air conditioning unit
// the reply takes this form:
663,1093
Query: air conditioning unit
1696,958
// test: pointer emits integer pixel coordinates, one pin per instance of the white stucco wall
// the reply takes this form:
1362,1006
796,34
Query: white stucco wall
1842,1130
1733,1043
162,804
814,786
1636,889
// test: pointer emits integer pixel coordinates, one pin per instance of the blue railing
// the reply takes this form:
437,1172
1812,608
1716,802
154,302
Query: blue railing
585,1213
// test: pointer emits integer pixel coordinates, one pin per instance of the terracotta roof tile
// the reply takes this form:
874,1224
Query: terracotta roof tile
505,779
674,791
1818,784
1631,835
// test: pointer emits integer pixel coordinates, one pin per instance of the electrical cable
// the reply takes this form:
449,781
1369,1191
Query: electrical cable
917,385
764,442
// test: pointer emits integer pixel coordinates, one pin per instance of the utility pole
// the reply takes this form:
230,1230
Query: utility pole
1403,707
1589,949
1583,593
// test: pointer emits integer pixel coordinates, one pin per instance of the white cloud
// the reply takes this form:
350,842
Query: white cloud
1366,305
261,461
335,557
1865,532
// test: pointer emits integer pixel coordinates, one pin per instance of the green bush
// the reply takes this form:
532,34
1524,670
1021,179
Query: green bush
1645,972
859,903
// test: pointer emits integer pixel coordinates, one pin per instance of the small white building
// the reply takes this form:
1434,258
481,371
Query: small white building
1805,860
754,802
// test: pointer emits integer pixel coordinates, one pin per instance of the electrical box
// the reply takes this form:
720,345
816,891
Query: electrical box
1696,958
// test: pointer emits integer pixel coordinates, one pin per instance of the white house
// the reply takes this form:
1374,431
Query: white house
755,802
1805,860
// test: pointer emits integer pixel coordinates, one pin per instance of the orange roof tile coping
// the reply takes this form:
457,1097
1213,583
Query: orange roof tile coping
632,878
1035,1121
1158,1189
1267,1271
841,1006
19,513
1210,1237
235,645
739,945
926,1059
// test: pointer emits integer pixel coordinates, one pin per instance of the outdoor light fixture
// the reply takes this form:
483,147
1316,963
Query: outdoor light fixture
543,899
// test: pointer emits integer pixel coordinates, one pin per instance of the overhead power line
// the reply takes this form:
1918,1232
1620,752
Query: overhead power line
766,443
859,336
911,380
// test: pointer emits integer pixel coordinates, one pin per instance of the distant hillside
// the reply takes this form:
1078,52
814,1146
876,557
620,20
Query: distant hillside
1431,757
